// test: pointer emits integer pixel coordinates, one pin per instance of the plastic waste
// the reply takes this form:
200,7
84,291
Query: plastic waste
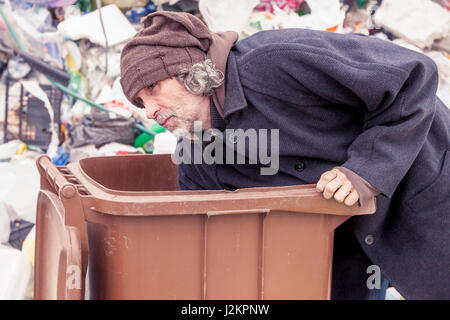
15,271
72,54
18,68
119,108
109,149
326,15
442,44
225,15
446,4
60,3
361,3
358,21
164,142
19,230
190,6
28,245
113,93
5,227
146,141
442,61
419,22
268,5
393,294
28,248
122,4
99,129
33,24
78,111
118,28
78,82
135,14
115,148
61,158
9,149
406,44
85,6
20,197
93,68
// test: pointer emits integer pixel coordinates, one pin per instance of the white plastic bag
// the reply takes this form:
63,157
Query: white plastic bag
226,15
15,272
165,142
420,22
19,188
118,28
9,149
5,227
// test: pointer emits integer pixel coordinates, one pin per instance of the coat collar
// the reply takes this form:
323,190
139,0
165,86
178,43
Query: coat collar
234,94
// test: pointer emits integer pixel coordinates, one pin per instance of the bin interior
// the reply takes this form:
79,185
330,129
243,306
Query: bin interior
137,173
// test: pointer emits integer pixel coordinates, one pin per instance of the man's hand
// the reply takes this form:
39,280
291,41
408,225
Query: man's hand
335,184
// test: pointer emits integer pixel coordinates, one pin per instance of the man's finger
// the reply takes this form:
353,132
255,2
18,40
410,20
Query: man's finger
325,178
352,198
343,191
333,186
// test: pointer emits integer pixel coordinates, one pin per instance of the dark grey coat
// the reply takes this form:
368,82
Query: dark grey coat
357,102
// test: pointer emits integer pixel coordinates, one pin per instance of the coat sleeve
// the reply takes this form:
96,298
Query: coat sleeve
393,87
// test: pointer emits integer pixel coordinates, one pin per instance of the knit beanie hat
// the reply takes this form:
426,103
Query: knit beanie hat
167,41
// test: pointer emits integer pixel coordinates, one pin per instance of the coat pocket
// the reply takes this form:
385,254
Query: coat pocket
437,194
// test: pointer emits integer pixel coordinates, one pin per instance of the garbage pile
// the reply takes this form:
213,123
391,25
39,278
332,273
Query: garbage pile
78,45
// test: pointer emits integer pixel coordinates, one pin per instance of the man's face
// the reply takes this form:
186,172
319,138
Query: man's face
173,107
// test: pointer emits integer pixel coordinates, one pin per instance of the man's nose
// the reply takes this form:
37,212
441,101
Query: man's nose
151,109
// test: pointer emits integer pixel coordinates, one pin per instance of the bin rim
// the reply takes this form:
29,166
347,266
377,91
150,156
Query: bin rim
185,202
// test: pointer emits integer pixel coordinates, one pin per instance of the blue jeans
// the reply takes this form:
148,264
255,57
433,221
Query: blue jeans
379,294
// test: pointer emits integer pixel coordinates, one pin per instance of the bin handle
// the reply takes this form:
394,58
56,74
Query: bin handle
244,211
55,178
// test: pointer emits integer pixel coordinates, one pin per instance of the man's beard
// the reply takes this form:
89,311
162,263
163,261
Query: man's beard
162,117
183,127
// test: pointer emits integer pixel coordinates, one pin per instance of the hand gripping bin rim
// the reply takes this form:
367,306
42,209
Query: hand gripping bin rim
110,210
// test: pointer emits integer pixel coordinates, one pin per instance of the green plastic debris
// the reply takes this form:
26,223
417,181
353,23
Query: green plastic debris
145,140
85,6
156,128
361,3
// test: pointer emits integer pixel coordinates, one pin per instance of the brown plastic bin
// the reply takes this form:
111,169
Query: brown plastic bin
123,218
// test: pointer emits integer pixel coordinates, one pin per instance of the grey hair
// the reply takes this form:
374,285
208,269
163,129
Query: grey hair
201,78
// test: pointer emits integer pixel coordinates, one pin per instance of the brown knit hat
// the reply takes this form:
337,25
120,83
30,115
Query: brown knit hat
168,40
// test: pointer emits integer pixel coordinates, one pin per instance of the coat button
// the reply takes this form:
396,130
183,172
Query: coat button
299,166
369,239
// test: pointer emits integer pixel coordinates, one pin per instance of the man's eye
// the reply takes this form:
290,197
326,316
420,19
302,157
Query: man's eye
139,102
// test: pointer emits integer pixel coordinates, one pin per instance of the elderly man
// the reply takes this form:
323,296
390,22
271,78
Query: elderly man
357,116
